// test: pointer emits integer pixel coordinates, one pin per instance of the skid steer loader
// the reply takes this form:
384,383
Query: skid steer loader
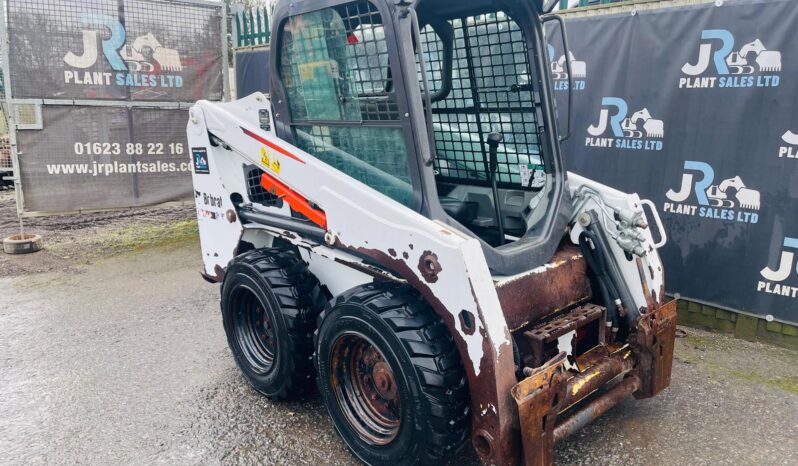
393,220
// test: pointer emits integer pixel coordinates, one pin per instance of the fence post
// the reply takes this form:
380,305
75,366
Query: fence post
235,11
10,111
225,59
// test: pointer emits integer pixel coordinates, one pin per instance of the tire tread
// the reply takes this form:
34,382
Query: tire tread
301,300
434,356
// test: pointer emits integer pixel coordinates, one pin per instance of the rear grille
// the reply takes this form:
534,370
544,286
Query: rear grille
255,191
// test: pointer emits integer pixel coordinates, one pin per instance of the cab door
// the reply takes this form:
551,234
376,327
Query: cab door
339,96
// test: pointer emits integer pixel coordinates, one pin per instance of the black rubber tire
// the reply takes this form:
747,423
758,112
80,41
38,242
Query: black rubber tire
435,412
292,298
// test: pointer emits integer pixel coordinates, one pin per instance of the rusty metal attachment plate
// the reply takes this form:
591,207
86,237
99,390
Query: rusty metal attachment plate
538,397
558,285
554,402
537,339
655,339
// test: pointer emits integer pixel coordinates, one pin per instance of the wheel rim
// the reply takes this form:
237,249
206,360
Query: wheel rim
254,330
366,389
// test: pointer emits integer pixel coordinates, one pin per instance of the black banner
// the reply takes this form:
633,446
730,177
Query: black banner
694,108
104,157
252,72
136,50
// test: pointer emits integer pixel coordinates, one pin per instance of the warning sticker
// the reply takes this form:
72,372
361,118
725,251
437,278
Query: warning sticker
269,160
532,176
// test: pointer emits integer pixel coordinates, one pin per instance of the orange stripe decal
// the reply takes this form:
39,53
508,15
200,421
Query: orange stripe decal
294,199
271,145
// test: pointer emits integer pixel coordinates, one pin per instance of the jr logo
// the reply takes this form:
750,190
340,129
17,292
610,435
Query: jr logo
714,201
145,55
110,46
640,131
726,67
559,71
787,265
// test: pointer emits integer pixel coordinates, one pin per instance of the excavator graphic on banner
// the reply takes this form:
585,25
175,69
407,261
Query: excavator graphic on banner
766,60
653,128
145,48
718,195
578,68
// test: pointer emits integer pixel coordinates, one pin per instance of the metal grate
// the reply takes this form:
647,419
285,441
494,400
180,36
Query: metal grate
335,67
491,92
171,50
370,62
28,115
255,191
345,46
6,163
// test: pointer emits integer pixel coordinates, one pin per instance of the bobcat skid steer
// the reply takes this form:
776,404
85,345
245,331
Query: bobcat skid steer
394,222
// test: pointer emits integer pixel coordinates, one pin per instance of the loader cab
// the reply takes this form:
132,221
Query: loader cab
445,106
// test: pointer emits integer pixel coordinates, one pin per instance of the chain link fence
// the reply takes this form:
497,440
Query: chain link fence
100,91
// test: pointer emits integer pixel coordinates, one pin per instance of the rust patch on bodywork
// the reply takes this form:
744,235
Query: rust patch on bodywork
217,277
560,284
429,266
493,415
231,216
374,272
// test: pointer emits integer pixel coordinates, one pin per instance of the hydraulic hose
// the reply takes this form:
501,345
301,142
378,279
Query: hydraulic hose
603,247
596,264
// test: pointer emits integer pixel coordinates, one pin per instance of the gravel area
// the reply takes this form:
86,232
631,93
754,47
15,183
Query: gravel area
74,240
123,360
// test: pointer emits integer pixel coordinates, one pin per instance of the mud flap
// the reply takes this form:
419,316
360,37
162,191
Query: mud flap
656,336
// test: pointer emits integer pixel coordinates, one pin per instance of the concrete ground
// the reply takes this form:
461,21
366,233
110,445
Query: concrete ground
120,358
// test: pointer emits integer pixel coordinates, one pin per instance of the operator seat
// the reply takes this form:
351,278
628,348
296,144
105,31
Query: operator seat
464,212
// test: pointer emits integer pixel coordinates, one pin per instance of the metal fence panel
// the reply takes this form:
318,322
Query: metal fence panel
252,27
90,158
99,89
135,50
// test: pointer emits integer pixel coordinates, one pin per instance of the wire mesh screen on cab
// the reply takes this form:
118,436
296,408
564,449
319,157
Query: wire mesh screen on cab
336,71
491,92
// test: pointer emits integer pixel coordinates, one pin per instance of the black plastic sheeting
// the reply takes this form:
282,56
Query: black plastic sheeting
252,71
